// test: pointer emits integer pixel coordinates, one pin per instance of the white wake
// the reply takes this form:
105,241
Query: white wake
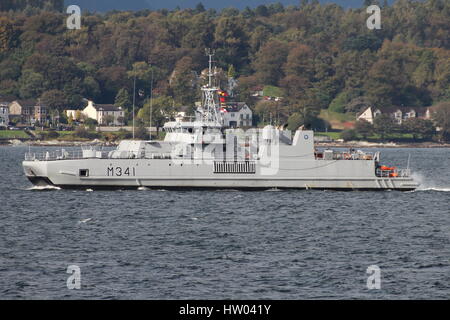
426,185
434,189
43,188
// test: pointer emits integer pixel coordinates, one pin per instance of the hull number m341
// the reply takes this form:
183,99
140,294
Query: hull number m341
121,172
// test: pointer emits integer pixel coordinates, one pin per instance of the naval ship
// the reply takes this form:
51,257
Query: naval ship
203,154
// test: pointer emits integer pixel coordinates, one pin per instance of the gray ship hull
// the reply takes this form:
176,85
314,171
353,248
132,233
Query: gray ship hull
166,174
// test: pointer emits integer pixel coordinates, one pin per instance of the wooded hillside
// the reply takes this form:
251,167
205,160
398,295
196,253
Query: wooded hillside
318,56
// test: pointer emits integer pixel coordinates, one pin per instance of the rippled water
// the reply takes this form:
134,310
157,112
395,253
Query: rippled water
227,245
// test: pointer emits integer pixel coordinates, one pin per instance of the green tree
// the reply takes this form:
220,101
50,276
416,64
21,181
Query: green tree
231,71
141,70
108,120
141,132
304,116
231,41
442,118
31,84
295,121
419,127
339,103
9,88
91,88
123,99
265,110
199,8
364,128
262,10
162,111
384,125
91,123
54,99
349,135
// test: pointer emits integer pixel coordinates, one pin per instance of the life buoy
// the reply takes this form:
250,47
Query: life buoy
393,175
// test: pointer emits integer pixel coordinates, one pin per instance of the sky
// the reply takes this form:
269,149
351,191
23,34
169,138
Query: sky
105,5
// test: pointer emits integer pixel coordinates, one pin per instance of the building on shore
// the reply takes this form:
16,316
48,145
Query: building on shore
29,111
184,113
399,114
4,115
237,115
104,114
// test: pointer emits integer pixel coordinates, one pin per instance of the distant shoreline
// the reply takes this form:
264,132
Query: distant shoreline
422,145
355,144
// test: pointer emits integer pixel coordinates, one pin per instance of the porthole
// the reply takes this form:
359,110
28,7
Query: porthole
84,172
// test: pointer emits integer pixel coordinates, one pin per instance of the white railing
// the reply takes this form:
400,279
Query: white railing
158,156
79,154
54,155
338,155
355,156
396,173
65,155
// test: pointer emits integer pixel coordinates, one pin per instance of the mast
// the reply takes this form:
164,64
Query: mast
134,101
210,73
151,105
209,111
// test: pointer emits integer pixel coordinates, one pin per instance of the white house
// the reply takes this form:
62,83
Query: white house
4,114
366,115
183,113
399,114
237,115
105,114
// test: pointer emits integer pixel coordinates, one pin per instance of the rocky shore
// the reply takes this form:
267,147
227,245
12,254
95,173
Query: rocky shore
365,144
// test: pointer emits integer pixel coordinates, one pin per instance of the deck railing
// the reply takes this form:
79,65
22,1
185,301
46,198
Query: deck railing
338,155
54,155
397,173
79,154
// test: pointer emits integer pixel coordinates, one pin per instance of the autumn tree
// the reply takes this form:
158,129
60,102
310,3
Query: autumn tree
6,34
269,62
54,99
183,82
322,55
442,118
